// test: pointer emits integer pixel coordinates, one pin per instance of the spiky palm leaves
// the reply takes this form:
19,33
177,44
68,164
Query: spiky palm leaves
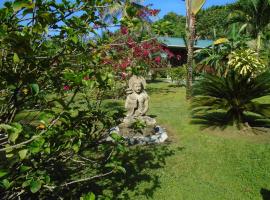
231,100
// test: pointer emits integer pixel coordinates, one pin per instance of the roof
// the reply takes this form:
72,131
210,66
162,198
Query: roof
180,42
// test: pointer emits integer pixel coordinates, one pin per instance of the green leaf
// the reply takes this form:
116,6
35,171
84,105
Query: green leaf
13,136
36,145
115,136
9,155
76,148
24,168
3,173
121,169
23,153
35,186
18,5
26,183
74,39
89,196
14,132
6,183
5,127
47,179
16,58
35,88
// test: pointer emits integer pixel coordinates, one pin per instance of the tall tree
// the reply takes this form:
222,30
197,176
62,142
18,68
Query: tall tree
170,25
253,16
192,8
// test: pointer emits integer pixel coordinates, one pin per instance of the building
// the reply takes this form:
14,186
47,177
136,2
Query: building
178,47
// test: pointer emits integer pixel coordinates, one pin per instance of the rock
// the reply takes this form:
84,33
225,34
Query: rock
159,136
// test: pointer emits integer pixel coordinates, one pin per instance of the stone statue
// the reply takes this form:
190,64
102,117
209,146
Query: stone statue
137,105
137,99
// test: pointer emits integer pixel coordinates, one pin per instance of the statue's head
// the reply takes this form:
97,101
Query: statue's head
137,84
137,87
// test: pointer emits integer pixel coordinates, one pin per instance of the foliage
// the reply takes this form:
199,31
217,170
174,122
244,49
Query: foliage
253,15
231,99
214,18
170,25
177,74
54,78
246,62
138,126
214,59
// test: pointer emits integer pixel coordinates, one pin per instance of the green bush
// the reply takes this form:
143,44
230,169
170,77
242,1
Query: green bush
177,74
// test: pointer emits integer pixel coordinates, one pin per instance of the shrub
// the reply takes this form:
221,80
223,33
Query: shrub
231,99
177,74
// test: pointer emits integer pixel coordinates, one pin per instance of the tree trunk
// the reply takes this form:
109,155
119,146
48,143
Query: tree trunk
190,46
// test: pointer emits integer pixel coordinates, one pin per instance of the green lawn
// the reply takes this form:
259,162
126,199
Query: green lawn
202,164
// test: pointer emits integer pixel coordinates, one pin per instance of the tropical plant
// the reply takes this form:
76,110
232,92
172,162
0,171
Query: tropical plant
192,8
253,16
245,61
233,98
214,59
220,101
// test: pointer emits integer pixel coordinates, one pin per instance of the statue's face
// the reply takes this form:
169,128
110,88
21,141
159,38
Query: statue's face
137,87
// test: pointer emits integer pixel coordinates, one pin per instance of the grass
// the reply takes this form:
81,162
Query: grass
205,164
208,164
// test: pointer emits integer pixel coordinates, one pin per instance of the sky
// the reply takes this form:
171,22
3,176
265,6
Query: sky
178,6
165,6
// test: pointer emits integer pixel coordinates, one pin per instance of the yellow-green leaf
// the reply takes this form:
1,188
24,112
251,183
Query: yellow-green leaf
18,5
221,41
196,5
23,153
16,58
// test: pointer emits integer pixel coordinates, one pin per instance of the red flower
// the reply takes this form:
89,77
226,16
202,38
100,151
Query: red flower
158,59
154,12
145,53
124,30
130,42
66,87
124,64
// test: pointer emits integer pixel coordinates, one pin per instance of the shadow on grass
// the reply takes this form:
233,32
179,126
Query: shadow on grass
159,91
177,85
137,161
221,120
155,81
265,194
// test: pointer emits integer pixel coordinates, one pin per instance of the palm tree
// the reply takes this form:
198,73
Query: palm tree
192,8
253,16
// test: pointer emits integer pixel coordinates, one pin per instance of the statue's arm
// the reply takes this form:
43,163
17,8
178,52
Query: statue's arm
146,104
130,104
